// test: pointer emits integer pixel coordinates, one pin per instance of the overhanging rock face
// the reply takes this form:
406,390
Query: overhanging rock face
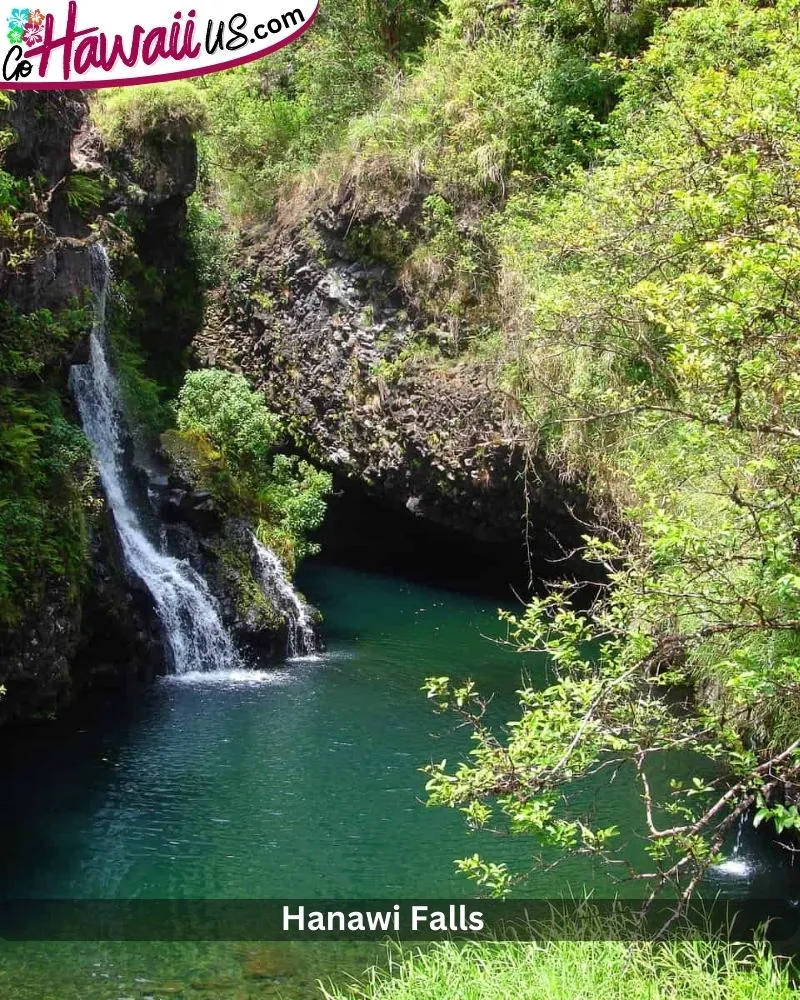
330,342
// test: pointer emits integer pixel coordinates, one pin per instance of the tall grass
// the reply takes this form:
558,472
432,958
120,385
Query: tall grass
575,970
157,112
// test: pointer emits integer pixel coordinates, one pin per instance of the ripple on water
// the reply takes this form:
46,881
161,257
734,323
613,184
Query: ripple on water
734,868
243,677
231,678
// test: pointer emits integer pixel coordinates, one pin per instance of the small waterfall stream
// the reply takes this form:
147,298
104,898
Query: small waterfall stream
301,638
736,865
194,633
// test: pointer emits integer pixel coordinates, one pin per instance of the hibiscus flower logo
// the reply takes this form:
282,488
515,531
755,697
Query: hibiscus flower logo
19,17
25,25
32,34
17,20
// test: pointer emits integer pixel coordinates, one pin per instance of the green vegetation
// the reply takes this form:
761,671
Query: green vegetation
156,307
269,119
84,193
158,113
227,439
575,970
209,243
512,101
652,350
17,241
44,477
44,474
45,483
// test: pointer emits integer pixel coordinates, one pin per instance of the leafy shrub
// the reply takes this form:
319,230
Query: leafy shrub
221,405
228,440
42,498
210,245
292,503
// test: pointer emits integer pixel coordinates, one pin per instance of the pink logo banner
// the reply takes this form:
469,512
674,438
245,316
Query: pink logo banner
93,43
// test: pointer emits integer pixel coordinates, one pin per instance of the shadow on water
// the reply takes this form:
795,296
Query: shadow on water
55,770
364,532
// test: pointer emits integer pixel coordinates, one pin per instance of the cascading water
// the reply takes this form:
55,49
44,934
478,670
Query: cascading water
301,638
194,634
736,865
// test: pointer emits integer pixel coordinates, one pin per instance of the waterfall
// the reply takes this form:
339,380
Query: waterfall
739,831
301,638
737,865
194,634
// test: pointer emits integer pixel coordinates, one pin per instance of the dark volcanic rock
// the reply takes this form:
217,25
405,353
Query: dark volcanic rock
57,269
43,124
320,334
224,558
194,507
120,639
36,658
106,637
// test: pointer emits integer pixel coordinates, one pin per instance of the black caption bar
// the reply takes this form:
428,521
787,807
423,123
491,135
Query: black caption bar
377,919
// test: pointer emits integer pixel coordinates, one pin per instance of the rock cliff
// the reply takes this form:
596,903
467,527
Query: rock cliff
95,625
330,339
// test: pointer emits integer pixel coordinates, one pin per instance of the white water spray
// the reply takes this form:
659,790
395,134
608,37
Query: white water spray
301,638
737,865
192,628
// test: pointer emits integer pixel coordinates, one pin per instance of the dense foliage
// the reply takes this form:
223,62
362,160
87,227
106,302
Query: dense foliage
651,308
228,440
271,118
44,482
44,473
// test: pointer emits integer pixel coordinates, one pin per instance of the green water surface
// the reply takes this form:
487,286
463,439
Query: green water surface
299,781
